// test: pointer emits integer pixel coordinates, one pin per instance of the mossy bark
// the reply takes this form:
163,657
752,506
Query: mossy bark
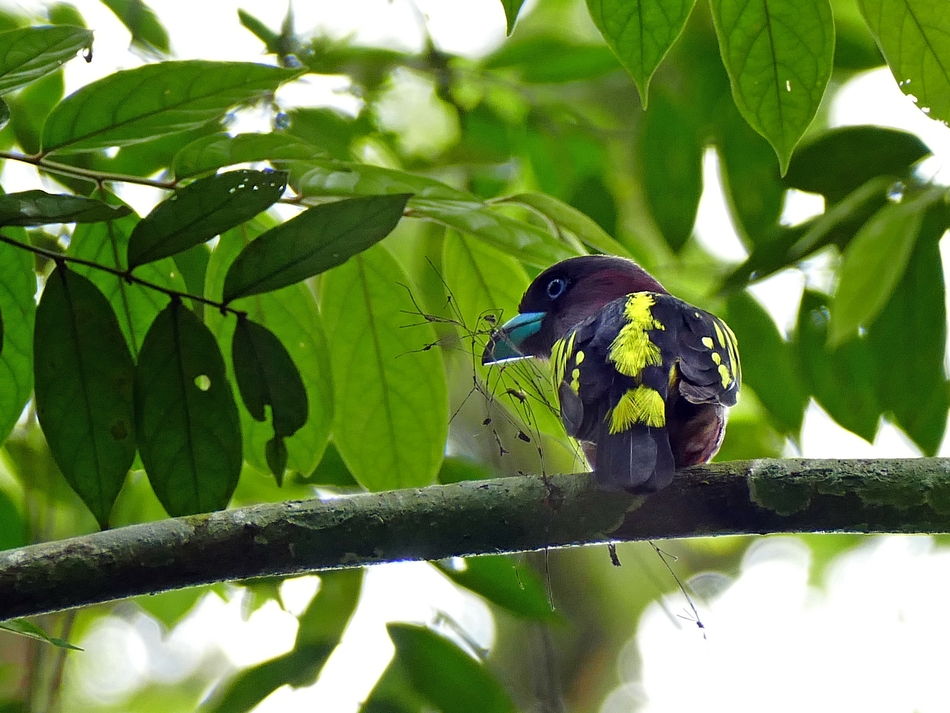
503,515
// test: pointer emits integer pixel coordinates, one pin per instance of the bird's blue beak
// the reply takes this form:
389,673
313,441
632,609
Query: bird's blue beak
506,341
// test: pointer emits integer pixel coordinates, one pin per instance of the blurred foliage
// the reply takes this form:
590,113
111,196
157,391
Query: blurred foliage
471,174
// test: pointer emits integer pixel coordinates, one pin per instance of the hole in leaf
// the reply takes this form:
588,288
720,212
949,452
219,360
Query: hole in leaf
203,382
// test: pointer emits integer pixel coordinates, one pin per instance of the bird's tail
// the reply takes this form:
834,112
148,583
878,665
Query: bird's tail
638,459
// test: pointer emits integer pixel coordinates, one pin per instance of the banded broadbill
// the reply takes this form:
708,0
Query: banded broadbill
645,377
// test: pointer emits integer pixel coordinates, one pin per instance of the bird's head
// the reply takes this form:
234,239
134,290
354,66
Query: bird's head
561,297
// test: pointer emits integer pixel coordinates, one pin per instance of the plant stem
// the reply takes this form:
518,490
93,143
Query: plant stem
126,275
40,161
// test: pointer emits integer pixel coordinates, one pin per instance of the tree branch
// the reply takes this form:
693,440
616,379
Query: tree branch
503,515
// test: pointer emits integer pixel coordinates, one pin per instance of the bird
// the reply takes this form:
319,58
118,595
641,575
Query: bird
644,380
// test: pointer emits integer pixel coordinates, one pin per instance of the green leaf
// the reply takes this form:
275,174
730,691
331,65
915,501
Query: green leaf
187,422
839,161
29,108
32,631
210,153
147,30
908,340
670,154
270,38
29,53
842,378
873,264
640,32
482,280
914,36
547,60
18,307
338,178
512,8
4,114
321,627
533,245
314,241
751,179
779,56
84,375
439,203
769,365
107,244
567,217
448,678
390,397
41,208
141,104
291,314
267,376
500,580
201,210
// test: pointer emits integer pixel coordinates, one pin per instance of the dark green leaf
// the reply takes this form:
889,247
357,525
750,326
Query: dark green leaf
293,316
640,32
275,453
768,365
671,158
32,631
779,56
4,113
839,161
187,422
391,405
14,530
449,679
106,244
332,470
267,376
442,204
29,53
915,38
566,217
18,307
321,627
841,379
316,240
84,375
502,581
201,210
210,153
512,8
41,208
147,30
874,262
140,104
908,341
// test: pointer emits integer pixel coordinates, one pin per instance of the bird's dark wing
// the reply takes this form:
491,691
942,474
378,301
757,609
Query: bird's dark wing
647,379
613,384
702,349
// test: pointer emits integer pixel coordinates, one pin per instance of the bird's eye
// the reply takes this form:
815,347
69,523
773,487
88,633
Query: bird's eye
556,287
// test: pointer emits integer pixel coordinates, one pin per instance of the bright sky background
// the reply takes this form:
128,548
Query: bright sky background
871,638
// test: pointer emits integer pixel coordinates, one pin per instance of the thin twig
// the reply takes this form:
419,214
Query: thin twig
40,161
126,275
